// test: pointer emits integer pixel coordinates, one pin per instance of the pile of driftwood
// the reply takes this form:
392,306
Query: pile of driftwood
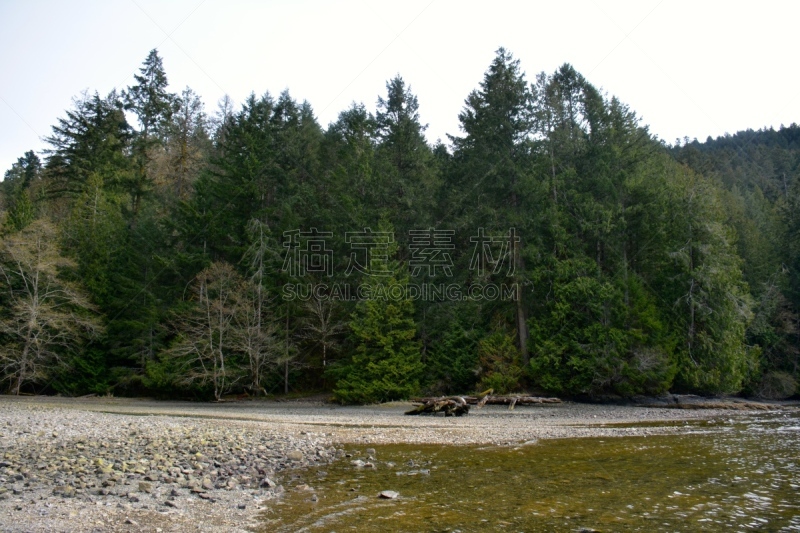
459,405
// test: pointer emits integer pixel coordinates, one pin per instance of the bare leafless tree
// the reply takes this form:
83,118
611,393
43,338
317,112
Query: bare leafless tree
46,317
255,334
257,331
320,327
206,337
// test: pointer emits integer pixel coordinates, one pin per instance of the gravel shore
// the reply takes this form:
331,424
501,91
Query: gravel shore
108,464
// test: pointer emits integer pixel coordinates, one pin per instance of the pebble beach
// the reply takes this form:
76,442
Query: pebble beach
112,464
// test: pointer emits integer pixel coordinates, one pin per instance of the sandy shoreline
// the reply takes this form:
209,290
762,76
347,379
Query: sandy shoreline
108,464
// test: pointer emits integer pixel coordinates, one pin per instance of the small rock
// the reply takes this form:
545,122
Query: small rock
358,463
371,451
131,522
388,495
66,491
145,486
295,455
267,482
241,506
170,503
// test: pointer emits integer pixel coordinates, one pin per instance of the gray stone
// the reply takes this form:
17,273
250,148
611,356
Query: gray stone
145,486
388,495
66,491
295,455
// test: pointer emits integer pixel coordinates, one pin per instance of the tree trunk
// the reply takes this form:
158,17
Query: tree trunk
286,362
522,319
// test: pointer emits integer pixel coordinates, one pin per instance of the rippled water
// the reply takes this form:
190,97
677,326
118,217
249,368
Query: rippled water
739,474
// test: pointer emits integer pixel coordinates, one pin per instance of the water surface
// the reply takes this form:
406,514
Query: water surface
738,474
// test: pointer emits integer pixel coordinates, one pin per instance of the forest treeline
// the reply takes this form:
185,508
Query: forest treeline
553,245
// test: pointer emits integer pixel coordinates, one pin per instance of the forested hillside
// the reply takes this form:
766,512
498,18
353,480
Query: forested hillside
552,245
759,172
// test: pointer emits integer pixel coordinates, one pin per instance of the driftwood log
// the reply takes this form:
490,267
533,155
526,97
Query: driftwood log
459,405
450,406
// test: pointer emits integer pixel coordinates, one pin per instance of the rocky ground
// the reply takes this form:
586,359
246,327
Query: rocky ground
106,464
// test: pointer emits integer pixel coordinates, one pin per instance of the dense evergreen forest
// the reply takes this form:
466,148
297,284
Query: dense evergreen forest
553,245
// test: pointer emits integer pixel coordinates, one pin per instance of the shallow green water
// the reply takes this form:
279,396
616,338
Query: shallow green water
733,475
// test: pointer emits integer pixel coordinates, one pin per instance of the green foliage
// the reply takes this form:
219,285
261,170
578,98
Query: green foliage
777,386
500,363
452,365
94,138
21,211
93,235
712,304
149,98
86,372
385,364
639,268
16,189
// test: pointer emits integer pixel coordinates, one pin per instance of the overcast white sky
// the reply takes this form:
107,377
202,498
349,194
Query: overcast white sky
688,68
